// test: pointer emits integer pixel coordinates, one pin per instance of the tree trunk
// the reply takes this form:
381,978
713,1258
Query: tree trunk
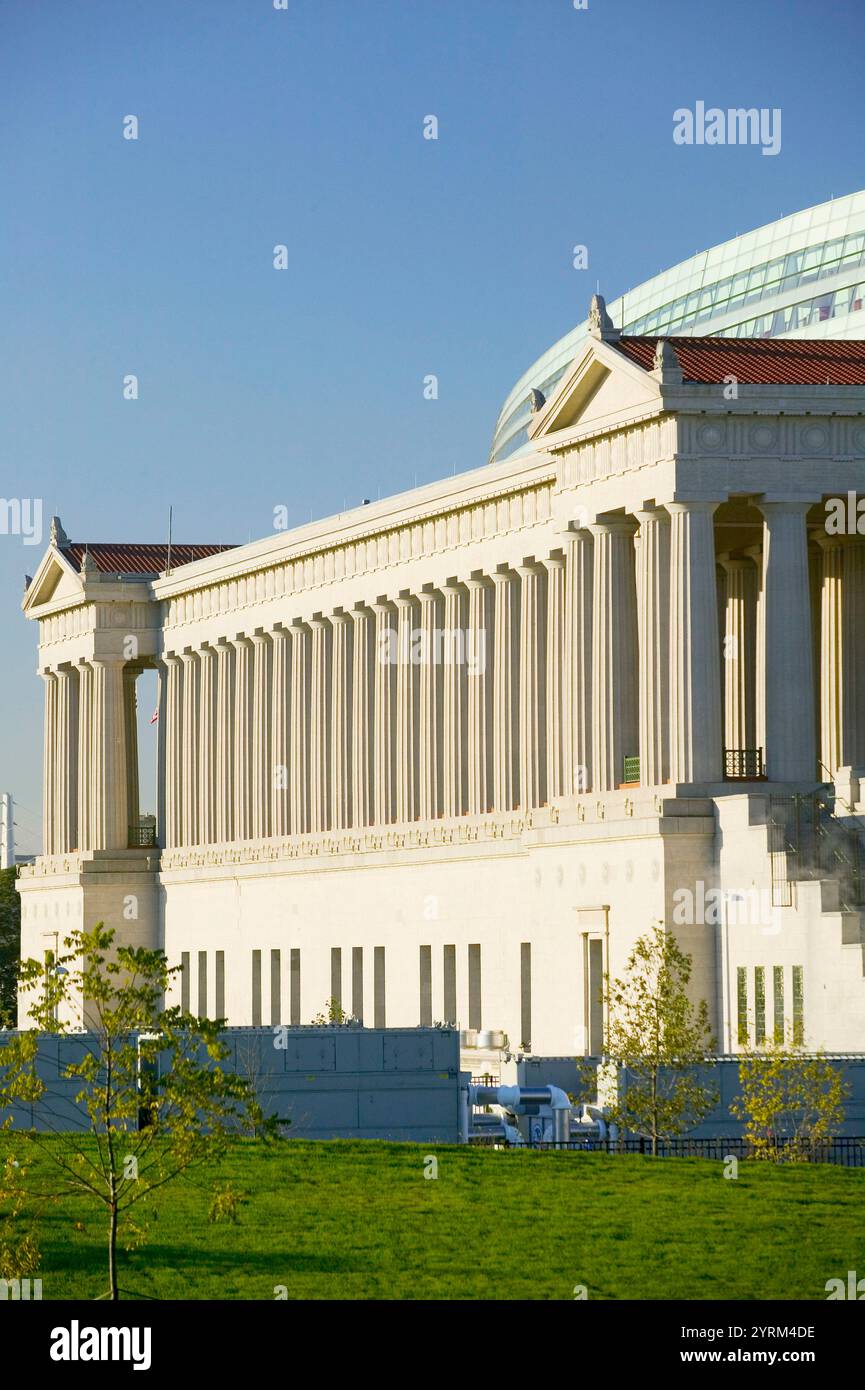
112,1251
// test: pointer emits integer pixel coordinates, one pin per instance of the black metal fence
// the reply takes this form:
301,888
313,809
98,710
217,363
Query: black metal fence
844,1151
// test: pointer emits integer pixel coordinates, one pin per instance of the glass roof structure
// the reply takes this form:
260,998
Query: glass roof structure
800,277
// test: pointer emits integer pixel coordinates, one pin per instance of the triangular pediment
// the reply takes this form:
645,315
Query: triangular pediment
56,581
601,390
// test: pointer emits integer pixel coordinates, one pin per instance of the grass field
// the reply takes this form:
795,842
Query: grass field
359,1220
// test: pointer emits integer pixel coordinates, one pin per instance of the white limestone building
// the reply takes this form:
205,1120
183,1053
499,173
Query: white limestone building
444,757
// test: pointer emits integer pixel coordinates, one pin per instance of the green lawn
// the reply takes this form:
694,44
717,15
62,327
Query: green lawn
359,1220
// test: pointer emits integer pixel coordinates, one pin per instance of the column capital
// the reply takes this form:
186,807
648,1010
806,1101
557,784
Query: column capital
786,506
700,506
554,561
477,581
612,526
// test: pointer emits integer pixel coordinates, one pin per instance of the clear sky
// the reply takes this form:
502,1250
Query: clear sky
406,256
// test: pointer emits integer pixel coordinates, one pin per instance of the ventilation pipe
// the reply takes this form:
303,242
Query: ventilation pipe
529,1100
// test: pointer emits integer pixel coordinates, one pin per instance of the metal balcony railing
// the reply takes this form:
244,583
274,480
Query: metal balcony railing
142,836
744,764
631,768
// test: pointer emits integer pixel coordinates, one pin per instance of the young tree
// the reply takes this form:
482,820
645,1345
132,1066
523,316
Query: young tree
19,1253
154,1096
10,946
661,1038
790,1102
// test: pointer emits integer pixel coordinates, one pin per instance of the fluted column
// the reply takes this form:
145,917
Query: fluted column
506,687
299,753
130,721
49,764
740,651
85,753
406,711
191,721
579,619
454,708
386,656
319,724
615,702
556,661
173,751
225,692
262,759
431,752
755,554
242,737
653,624
65,793
110,824
842,658
341,731
533,753
363,705
695,677
479,695
280,809
207,746
791,754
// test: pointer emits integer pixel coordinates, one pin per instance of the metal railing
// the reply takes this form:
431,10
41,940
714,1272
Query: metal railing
142,837
744,764
844,1151
807,841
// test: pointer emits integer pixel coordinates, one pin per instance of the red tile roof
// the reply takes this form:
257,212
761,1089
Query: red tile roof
758,361
111,558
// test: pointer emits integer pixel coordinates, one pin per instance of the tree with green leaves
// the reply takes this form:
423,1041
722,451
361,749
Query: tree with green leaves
661,1038
154,1095
791,1102
10,947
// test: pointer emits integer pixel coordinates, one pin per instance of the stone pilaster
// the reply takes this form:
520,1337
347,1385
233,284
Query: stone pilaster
430,747
261,751
242,737
49,764
407,685
85,754
130,722
695,677
791,754
65,791
615,703
842,658
454,702
386,656
506,693
206,745
479,695
556,662
653,624
299,759
280,796
173,744
191,727
739,653
225,693
577,691
110,823
364,668
532,694
342,629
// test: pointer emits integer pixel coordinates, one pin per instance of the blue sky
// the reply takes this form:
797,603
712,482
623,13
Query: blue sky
304,387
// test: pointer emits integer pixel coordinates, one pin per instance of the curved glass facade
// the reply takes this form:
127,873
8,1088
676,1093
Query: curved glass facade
802,276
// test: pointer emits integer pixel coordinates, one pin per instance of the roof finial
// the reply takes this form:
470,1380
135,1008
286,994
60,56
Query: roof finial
666,367
58,536
600,324
88,564
537,400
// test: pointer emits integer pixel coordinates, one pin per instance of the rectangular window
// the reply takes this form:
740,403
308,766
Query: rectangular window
220,984
275,987
798,1004
336,977
595,995
357,983
184,981
759,1005
474,986
256,989
526,996
742,1005
426,987
378,987
778,1002
450,985
294,986
202,984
